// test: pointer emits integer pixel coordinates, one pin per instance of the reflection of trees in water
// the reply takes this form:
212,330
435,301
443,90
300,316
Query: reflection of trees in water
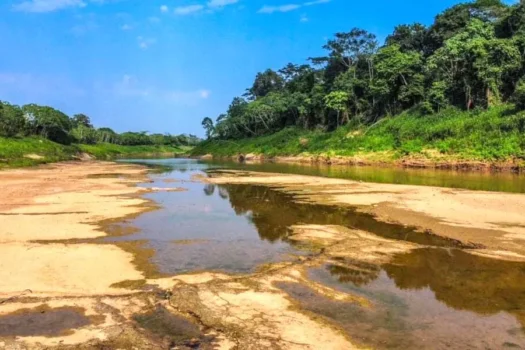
357,272
274,212
463,281
223,193
209,189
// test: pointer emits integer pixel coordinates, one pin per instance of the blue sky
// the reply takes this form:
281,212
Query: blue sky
163,65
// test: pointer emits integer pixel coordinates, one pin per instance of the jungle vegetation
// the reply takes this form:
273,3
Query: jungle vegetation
56,126
464,73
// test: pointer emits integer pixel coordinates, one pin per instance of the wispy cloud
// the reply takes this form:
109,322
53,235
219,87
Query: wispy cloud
130,86
126,27
281,8
47,5
221,3
164,8
43,6
187,10
145,43
210,6
267,9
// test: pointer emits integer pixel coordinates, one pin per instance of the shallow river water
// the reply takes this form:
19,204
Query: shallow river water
435,297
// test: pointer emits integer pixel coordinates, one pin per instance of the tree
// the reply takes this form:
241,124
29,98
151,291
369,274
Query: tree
338,101
349,47
12,120
48,122
207,124
473,64
81,119
265,83
411,37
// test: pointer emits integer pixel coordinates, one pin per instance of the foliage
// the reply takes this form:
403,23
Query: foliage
12,120
470,57
495,134
52,124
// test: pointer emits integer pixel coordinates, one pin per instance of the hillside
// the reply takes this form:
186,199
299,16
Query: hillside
494,135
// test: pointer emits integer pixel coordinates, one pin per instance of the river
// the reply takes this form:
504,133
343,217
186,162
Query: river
437,296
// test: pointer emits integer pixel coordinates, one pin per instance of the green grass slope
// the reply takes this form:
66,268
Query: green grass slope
29,151
497,134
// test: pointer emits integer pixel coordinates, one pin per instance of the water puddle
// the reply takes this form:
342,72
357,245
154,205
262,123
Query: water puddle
429,298
42,321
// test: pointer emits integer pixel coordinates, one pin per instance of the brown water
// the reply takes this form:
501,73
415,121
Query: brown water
429,298
42,321
437,297
235,228
482,181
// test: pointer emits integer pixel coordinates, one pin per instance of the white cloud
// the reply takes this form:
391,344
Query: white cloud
221,3
266,9
164,8
281,8
187,10
145,43
304,19
41,6
316,2
126,27
204,93
154,19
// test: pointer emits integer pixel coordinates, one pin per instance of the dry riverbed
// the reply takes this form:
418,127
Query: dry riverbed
60,286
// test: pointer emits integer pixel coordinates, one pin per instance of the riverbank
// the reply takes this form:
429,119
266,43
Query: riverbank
480,140
61,272
30,151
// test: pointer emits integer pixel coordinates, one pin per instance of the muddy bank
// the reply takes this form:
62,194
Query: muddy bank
57,287
493,222
380,160
356,283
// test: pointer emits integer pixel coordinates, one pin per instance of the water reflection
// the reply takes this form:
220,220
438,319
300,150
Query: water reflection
436,298
462,280
274,212
503,182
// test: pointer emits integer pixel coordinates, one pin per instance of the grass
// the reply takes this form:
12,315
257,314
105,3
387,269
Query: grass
29,151
111,151
20,152
497,134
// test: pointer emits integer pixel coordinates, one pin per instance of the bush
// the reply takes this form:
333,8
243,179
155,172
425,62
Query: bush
12,120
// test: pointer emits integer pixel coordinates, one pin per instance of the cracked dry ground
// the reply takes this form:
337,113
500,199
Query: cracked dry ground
60,288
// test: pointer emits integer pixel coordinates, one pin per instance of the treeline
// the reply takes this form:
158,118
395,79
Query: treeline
56,126
471,57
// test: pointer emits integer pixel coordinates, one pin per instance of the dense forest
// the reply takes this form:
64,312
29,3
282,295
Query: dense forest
470,59
56,126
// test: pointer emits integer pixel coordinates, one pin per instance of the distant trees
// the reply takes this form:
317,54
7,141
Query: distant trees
50,123
472,56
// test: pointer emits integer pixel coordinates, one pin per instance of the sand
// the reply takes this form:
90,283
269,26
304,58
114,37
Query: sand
493,220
